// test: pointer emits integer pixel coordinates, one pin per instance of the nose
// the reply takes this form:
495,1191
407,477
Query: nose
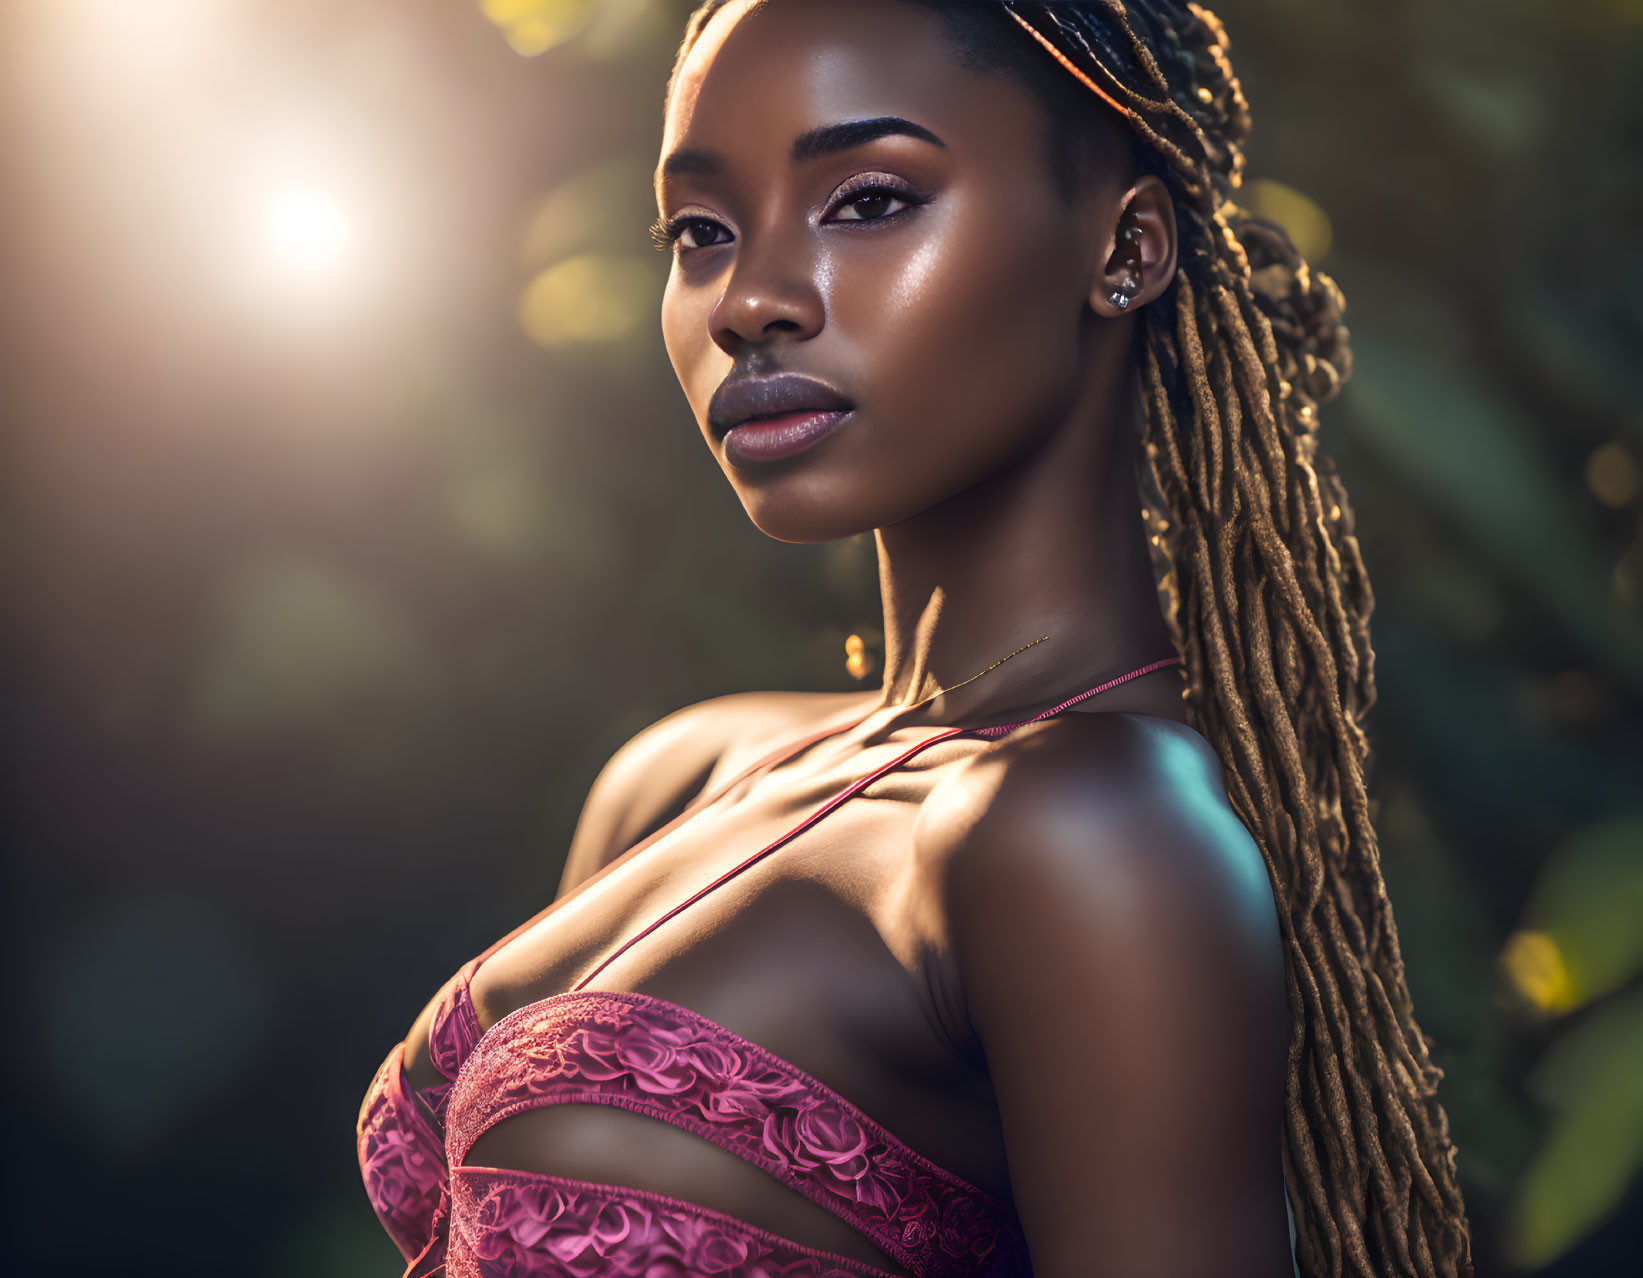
772,289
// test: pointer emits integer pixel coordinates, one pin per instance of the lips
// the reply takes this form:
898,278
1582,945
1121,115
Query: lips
755,396
773,439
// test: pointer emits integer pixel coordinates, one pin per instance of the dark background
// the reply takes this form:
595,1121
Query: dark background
331,584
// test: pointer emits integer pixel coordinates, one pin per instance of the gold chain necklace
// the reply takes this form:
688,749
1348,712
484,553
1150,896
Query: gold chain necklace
939,692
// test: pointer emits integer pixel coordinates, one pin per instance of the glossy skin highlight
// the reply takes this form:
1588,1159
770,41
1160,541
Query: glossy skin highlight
944,289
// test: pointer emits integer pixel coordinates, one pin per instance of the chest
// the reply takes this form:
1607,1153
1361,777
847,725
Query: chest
817,937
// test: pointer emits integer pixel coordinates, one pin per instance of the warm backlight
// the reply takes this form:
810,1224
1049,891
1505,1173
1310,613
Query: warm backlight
307,229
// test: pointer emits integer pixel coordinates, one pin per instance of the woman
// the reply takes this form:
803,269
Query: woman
1065,951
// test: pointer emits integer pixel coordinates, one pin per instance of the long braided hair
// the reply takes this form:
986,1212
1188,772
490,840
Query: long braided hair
1266,596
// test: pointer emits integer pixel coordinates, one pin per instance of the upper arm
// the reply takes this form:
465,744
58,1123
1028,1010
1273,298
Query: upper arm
1117,941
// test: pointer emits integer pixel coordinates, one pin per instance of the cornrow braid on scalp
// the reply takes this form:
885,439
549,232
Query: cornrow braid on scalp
1266,596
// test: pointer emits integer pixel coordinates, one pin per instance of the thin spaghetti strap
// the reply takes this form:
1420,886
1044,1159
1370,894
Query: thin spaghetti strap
1002,729
774,758
854,788
850,791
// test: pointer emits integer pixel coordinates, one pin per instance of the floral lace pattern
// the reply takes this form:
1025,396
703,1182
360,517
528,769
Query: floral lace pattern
526,1224
644,1054
451,1037
401,1157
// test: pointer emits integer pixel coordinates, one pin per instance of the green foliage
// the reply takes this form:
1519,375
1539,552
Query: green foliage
1481,460
1588,898
1590,1082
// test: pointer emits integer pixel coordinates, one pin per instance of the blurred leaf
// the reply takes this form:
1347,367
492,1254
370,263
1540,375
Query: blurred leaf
1307,224
1588,901
535,26
1593,1075
1536,967
1611,474
593,209
592,297
1479,458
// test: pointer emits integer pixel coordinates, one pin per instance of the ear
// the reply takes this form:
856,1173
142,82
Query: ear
1138,257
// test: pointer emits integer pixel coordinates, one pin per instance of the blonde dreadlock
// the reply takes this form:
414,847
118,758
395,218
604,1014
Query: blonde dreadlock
1268,601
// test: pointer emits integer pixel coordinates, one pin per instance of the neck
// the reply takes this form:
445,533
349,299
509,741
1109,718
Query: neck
1053,545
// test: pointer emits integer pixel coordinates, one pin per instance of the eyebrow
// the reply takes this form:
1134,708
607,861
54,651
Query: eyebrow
812,144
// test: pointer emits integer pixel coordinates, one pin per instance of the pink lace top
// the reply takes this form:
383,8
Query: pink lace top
645,1054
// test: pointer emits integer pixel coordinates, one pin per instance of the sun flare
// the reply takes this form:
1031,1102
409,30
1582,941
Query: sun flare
307,228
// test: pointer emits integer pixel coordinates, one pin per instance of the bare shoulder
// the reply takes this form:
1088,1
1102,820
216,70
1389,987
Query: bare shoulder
1115,941
1084,780
658,771
1122,819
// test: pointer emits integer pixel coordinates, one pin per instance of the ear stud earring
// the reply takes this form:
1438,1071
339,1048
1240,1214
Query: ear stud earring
1131,236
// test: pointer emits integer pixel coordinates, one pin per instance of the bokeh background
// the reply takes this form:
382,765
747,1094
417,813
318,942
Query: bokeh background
353,516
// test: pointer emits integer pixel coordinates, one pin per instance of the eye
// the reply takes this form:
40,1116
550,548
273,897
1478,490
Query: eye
667,233
873,192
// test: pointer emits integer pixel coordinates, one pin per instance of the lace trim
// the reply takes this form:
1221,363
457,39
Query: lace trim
651,1056
533,1224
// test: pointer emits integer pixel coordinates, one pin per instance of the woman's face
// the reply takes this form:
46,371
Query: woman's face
931,277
